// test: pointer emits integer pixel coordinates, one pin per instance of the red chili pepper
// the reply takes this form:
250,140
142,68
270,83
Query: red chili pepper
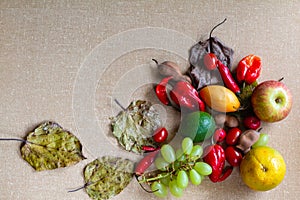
161,90
215,157
145,163
227,78
226,172
186,96
211,62
248,69
149,148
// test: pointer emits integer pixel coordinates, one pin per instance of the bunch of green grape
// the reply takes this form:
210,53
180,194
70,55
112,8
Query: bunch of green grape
179,168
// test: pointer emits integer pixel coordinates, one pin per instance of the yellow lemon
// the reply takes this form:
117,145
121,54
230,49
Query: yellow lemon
263,168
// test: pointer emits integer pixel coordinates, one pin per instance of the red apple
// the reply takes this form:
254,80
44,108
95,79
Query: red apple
271,101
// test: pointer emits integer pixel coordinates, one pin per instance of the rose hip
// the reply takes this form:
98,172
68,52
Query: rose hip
251,122
233,156
233,135
219,135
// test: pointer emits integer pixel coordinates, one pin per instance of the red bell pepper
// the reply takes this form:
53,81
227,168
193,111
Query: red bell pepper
215,157
186,96
249,69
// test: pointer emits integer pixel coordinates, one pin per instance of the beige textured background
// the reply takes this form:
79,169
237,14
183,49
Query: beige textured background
43,45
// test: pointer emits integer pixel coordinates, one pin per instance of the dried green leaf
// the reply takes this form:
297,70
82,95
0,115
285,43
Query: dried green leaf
49,146
247,90
107,177
245,99
134,126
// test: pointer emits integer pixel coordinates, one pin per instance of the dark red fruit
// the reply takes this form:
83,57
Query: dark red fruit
210,61
219,135
233,156
160,135
233,136
252,122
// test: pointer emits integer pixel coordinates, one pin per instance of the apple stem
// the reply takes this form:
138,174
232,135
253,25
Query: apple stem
281,79
278,100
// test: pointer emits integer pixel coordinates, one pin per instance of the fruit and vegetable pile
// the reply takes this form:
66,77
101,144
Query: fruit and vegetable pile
223,109
222,112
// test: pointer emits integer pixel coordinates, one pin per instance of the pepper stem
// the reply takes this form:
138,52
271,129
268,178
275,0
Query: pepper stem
210,43
216,27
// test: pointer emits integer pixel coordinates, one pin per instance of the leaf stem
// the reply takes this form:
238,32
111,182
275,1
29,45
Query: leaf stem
80,188
14,139
119,104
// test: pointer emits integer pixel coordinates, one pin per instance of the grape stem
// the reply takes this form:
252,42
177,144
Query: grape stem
136,176
158,174
157,177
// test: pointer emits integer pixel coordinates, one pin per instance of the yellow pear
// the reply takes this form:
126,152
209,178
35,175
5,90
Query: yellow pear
263,168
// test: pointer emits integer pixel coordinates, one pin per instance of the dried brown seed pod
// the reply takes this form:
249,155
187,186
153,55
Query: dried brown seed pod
227,120
169,68
247,139
231,121
220,119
